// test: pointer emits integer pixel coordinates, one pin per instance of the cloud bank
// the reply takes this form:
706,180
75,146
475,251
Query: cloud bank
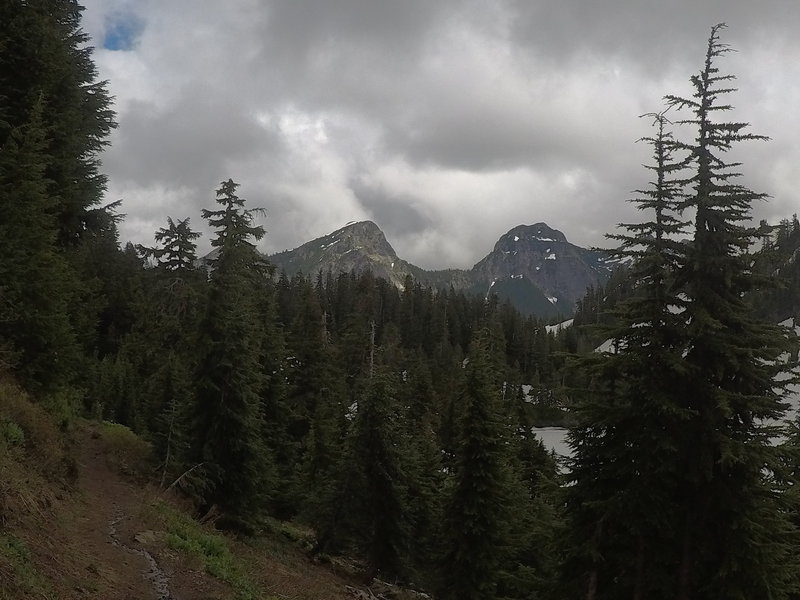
446,122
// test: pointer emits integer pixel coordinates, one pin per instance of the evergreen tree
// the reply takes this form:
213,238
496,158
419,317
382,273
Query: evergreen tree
45,61
733,535
35,279
674,489
376,449
625,467
177,252
230,380
165,341
478,509
46,55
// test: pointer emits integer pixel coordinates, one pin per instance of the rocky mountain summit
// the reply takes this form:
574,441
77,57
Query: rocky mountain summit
542,257
534,266
354,247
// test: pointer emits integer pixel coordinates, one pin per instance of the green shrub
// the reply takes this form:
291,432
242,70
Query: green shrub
11,434
20,576
185,535
28,425
126,452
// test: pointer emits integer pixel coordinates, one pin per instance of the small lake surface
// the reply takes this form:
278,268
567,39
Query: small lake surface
555,438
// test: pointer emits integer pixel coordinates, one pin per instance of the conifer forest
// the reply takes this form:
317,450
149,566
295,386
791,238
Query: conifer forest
398,424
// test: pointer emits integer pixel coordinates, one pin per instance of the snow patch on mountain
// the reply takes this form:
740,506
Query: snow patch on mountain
558,327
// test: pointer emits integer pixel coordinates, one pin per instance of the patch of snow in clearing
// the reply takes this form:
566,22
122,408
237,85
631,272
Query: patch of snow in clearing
559,326
538,268
351,412
551,256
552,299
541,239
674,308
516,277
607,346
393,265
554,439
526,392
516,238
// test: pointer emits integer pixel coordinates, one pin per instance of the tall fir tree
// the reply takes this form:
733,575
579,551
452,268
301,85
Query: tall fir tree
477,511
228,431
167,341
45,54
376,449
626,468
733,535
674,489
35,278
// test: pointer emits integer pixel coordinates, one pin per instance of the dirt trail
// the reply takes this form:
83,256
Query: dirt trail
107,520
111,539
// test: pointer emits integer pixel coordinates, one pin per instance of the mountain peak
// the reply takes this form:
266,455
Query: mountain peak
355,247
544,257
538,232
534,265
368,227
358,235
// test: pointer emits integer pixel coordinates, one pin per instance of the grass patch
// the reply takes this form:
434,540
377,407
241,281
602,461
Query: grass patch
299,535
33,462
126,452
19,578
29,431
212,550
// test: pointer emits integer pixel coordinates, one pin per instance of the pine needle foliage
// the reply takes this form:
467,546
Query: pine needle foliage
478,510
230,380
674,489
733,535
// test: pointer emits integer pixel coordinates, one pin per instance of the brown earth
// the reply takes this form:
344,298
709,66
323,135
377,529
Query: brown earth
100,539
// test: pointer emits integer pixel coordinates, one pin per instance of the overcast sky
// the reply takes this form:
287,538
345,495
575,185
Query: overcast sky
447,122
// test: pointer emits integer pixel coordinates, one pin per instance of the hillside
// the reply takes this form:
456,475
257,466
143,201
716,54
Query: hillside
99,530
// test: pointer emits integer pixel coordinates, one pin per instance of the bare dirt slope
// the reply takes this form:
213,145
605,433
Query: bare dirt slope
108,536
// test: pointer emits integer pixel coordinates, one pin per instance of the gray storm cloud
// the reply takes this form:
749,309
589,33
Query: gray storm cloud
446,122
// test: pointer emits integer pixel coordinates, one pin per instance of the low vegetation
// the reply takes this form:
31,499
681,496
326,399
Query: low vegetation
211,550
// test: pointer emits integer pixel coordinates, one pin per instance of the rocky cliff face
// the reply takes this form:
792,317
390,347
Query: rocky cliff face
544,257
532,265
354,247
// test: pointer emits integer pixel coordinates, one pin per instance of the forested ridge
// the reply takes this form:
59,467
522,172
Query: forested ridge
398,423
